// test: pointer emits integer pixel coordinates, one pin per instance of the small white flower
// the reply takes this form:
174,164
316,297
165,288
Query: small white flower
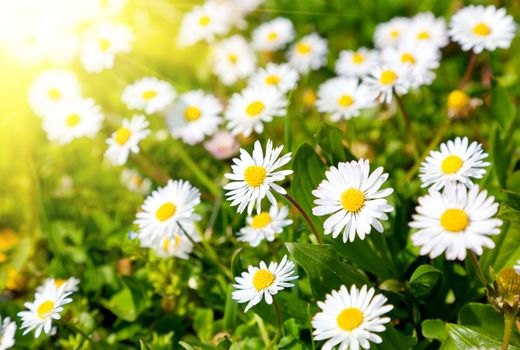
455,221
165,209
247,6
344,98
279,76
357,63
149,94
264,225
386,80
205,23
273,35
7,333
252,107
480,28
353,196
391,33
455,162
233,59
194,116
254,177
50,88
263,282
73,119
178,246
69,285
222,145
134,182
351,319
517,267
425,29
125,140
309,53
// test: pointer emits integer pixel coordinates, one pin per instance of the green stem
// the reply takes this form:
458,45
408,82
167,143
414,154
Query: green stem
408,124
263,331
509,319
287,126
304,214
476,265
278,333
150,168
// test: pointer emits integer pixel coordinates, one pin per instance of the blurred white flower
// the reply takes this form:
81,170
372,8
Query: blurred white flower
391,33
125,140
273,35
205,23
178,246
309,53
357,63
134,182
387,80
279,76
7,333
264,226
222,145
233,59
149,94
426,29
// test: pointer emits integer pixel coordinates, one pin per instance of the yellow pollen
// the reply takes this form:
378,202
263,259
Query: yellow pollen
358,58
263,279
122,135
345,101
204,21
104,44
261,220
272,80
255,175
149,94
45,308
54,94
303,48
352,200
233,58
388,77
394,34
423,36
482,29
166,245
255,108
177,241
72,120
272,36
457,100
509,281
407,58
350,319
451,164
192,113
454,220
165,211
58,282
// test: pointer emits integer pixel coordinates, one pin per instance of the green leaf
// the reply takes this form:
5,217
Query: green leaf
129,302
501,156
330,139
423,281
395,340
326,272
203,323
230,310
236,263
466,338
502,107
434,329
507,249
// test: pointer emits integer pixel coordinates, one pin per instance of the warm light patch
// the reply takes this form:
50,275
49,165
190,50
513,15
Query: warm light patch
54,94
350,319
454,220
388,77
263,279
255,175
303,48
407,58
204,21
482,29
345,101
45,308
122,135
165,211
255,108
261,220
358,58
272,80
104,44
272,36
72,120
149,94
352,200
192,113
423,36
451,164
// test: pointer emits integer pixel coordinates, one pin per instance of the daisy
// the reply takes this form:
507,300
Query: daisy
391,33
279,76
264,225
233,59
343,98
102,43
50,88
47,306
167,208
252,107
194,116
134,182
73,119
222,145
149,94
273,35
351,319
7,332
263,282
125,140
386,80
455,162
69,285
455,221
480,28
357,63
254,176
204,23
426,29
353,195
309,53
178,246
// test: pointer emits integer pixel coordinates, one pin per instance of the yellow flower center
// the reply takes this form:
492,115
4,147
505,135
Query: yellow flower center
458,99
358,58
149,94
482,29
454,220
407,58
263,279
165,211
394,34
272,80
204,21
345,101
233,58
303,48
45,308
72,120
58,282
272,36
54,94
352,200
261,220
423,36
166,243
350,319
388,77
255,108
451,164
255,175
104,44
309,97
192,113
122,135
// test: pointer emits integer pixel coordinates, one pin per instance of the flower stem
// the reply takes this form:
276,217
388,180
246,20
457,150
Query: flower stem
469,70
509,319
278,333
305,216
149,168
408,124
476,265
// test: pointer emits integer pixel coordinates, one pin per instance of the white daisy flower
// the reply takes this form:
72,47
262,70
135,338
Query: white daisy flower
357,63
194,116
455,162
254,177
252,107
309,53
149,94
386,80
73,119
178,246
426,29
264,225
134,182
273,35
279,76
165,209
222,145
102,43
105,8
351,319
47,306
125,140
454,221
247,6
344,98
480,28
50,88
517,267
353,195
7,333
205,23
233,59
391,33
63,285
263,282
